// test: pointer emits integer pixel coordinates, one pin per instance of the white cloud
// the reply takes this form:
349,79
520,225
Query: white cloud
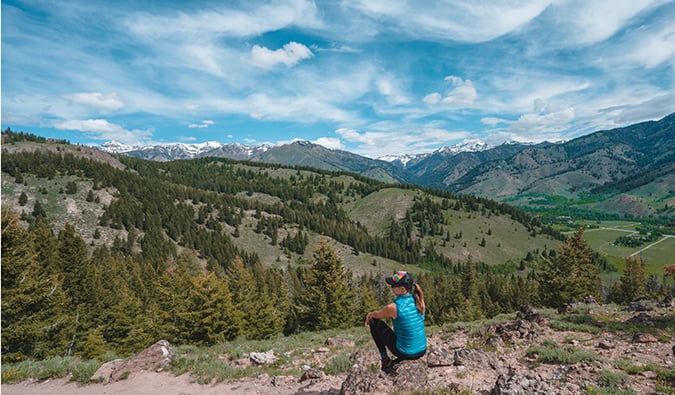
410,141
224,22
204,124
432,98
462,20
492,121
463,94
654,48
590,22
290,55
542,126
97,100
103,130
330,142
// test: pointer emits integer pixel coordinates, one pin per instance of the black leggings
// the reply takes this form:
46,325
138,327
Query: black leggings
385,337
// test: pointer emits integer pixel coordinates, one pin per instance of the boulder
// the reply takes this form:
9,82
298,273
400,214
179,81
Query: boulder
519,384
440,357
475,359
407,376
263,358
644,338
157,357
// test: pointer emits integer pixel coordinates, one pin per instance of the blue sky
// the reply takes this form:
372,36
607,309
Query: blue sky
373,77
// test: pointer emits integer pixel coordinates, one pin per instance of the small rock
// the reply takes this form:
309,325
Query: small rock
311,374
644,338
263,358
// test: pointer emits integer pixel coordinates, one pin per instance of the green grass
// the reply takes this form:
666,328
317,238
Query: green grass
554,354
214,363
601,240
80,370
665,376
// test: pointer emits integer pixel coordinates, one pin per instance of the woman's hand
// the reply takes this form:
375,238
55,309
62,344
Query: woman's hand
388,311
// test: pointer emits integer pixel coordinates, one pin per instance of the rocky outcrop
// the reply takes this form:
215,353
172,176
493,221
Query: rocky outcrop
157,357
406,376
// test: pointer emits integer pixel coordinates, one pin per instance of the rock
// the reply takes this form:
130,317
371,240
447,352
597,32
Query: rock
263,358
407,376
525,311
643,319
157,357
494,341
361,381
476,360
644,338
411,375
607,344
311,374
639,305
440,357
517,384
105,372
667,303
278,381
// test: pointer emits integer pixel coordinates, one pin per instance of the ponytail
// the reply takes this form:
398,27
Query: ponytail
419,298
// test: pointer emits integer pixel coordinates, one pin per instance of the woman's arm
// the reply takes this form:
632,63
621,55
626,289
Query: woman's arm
388,311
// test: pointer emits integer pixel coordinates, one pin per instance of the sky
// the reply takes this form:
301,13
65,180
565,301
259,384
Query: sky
373,77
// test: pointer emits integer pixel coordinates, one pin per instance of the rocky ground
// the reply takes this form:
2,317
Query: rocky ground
632,352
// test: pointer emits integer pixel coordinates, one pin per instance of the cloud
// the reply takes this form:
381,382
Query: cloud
549,122
290,55
460,20
588,22
378,143
101,129
223,22
204,124
463,94
97,100
330,142
652,49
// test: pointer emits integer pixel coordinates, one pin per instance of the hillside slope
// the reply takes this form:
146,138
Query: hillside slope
356,202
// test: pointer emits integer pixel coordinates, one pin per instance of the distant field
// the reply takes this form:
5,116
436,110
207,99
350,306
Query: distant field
601,239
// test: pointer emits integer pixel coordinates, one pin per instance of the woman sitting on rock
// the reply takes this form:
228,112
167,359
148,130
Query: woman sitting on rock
408,339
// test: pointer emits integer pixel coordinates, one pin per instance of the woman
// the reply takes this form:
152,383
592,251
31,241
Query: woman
408,339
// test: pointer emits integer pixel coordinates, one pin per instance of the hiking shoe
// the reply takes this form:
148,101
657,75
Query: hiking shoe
388,365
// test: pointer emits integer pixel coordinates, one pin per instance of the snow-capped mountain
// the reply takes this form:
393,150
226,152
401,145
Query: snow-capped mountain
115,147
403,160
173,151
466,146
408,159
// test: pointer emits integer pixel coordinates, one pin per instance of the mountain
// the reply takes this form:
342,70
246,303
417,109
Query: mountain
607,164
305,153
611,161
175,151
443,167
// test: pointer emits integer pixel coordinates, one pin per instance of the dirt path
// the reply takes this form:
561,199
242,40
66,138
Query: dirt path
149,383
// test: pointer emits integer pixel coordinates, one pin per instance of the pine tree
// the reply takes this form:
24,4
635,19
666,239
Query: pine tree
328,298
633,281
71,256
251,301
34,305
571,274
210,317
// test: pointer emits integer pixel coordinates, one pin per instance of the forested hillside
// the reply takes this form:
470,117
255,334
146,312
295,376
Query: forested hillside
110,254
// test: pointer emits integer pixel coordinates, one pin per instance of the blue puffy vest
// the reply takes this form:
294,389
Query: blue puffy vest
411,337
